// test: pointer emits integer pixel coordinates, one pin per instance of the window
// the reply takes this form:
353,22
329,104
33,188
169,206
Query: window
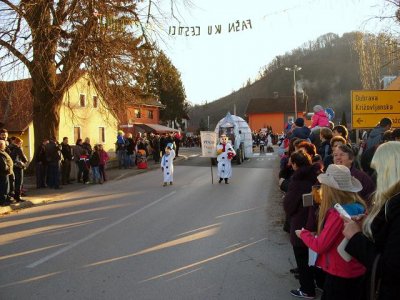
150,114
137,113
77,133
95,101
82,100
102,135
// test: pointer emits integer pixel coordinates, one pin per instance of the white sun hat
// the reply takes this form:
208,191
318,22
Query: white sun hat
339,177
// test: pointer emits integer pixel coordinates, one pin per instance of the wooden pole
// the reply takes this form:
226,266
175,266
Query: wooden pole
212,175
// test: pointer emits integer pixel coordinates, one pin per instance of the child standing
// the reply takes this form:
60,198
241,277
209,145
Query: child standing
344,275
319,119
84,166
167,164
94,164
102,165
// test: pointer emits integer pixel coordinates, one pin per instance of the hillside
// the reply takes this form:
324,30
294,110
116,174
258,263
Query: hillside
330,70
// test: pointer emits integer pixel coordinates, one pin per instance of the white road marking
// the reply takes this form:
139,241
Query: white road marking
92,235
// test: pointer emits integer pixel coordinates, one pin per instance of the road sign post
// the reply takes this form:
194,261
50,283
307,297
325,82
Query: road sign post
209,147
370,106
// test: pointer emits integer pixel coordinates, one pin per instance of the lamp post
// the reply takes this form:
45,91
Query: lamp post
294,69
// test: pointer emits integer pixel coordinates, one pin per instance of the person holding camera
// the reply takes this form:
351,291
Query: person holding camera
339,198
20,162
301,182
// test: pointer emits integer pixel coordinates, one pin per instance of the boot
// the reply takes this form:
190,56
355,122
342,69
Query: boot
220,180
226,181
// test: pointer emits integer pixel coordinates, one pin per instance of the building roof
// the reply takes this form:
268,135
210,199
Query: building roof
146,100
16,105
394,84
156,128
273,105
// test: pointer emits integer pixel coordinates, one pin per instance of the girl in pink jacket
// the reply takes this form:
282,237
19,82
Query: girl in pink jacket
344,274
319,119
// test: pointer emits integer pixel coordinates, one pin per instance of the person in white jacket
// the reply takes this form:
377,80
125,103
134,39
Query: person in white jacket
225,153
167,164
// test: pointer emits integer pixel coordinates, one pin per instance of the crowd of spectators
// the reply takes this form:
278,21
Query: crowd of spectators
346,257
53,161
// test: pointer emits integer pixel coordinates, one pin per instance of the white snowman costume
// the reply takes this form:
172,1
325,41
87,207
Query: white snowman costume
224,164
167,163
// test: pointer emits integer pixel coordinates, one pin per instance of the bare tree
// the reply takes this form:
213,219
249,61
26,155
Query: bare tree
56,40
379,54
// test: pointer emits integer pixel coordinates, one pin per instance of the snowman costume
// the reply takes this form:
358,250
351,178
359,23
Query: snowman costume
225,153
167,166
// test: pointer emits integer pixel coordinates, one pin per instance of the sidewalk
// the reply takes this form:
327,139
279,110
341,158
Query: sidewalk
42,196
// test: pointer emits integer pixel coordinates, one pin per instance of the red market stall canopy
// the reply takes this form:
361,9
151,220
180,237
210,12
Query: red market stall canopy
156,128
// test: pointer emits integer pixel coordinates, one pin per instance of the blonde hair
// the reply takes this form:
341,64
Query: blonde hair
386,162
330,197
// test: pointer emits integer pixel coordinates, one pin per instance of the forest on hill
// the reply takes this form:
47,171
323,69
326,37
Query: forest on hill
330,70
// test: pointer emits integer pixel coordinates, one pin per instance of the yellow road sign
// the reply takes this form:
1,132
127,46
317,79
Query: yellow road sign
369,107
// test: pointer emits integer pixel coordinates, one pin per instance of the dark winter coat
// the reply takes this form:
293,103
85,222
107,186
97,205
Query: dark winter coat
367,183
301,133
301,183
18,156
324,149
386,234
53,152
375,137
88,147
41,154
66,151
94,159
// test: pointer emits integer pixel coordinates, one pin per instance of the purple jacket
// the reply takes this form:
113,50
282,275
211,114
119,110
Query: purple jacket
367,183
301,183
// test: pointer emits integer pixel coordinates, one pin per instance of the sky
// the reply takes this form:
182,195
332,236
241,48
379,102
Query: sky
214,65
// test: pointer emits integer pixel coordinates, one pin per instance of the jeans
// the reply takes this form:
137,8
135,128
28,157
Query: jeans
40,172
80,167
121,154
96,174
102,172
19,180
4,188
53,175
65,171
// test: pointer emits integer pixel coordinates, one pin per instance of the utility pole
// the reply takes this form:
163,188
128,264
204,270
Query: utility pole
294,69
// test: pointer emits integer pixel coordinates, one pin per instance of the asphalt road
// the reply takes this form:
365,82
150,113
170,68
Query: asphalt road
134,239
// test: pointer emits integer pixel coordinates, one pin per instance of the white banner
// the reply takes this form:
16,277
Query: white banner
208,143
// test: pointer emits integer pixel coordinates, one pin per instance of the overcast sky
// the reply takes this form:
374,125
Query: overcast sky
213,65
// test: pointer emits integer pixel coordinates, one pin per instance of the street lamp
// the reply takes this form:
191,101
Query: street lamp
294,69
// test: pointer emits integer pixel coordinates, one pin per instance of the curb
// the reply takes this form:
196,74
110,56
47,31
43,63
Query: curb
52,197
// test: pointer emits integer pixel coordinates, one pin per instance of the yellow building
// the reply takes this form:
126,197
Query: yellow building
83,114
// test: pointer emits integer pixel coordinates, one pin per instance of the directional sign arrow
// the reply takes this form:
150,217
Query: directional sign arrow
359,120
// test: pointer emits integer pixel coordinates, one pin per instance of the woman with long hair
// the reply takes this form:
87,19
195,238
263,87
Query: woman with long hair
304,177
344,276
375,239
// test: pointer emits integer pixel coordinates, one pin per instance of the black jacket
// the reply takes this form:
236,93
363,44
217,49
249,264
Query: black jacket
66,151
386,233
17,155
53,152
301,183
